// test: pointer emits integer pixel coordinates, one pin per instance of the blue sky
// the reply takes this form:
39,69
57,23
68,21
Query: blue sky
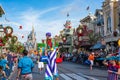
44,15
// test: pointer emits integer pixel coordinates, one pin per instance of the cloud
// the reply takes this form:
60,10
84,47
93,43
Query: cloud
34,18
54,24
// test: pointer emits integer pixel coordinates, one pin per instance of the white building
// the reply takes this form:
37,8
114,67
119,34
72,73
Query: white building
31,41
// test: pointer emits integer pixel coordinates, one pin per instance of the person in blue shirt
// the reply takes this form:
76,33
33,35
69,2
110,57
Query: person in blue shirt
25,66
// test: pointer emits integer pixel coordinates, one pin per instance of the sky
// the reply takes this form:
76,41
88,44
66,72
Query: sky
44,15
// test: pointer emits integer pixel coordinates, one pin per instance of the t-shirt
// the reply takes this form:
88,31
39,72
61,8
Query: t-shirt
113,76
3,63
91,57
26,65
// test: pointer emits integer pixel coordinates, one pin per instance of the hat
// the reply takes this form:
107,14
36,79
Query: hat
93,53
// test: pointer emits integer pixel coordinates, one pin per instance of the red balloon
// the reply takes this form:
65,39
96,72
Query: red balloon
22,36
20,27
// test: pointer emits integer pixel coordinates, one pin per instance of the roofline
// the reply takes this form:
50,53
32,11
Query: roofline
3,12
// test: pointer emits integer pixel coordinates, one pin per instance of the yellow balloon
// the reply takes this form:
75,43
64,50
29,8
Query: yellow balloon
118,42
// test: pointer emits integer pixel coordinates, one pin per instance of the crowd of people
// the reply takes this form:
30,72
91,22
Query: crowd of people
20,63
110,60
8,62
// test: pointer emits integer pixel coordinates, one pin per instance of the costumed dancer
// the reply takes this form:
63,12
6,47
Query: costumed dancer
51,67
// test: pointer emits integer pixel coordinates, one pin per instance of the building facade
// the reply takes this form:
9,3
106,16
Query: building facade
111,20
67,36
111,14
99,23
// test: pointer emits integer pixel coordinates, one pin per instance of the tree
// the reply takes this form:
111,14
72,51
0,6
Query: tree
93,38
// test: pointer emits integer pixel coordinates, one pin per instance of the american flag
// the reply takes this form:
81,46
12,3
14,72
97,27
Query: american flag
68,15
87,8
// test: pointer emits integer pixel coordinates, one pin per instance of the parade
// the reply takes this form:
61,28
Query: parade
65,40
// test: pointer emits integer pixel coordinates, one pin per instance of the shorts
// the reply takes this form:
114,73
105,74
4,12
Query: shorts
40,65
26,77
91,62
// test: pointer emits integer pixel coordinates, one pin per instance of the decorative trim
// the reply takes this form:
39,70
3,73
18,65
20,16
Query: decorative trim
8,34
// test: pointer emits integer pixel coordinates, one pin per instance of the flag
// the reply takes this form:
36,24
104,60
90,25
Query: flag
7,19
88,8
68,15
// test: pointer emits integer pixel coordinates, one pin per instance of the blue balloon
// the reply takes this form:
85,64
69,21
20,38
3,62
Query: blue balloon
48,34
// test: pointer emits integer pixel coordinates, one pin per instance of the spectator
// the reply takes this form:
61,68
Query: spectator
10,62
25,66
3,63
2,74
113,68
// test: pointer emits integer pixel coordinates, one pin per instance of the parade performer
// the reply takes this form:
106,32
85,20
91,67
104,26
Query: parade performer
51,71
113,67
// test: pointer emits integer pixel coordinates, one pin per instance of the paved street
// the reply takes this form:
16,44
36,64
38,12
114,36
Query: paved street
73,71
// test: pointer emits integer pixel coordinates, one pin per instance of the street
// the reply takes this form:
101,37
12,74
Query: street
72,71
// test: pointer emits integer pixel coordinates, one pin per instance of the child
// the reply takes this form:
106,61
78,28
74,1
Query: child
2,74
113,68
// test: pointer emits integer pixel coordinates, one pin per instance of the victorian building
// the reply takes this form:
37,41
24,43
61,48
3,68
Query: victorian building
99,23
67,36
111,20
31,44
83,30
111,14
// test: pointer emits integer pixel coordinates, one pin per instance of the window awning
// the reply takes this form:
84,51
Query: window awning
98,46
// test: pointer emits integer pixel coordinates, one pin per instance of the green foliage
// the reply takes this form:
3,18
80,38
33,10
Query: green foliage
93,38
56,45
4,39
16,48
62,49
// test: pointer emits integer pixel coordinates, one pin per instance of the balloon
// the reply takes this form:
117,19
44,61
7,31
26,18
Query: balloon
48,34
119,42
20,27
